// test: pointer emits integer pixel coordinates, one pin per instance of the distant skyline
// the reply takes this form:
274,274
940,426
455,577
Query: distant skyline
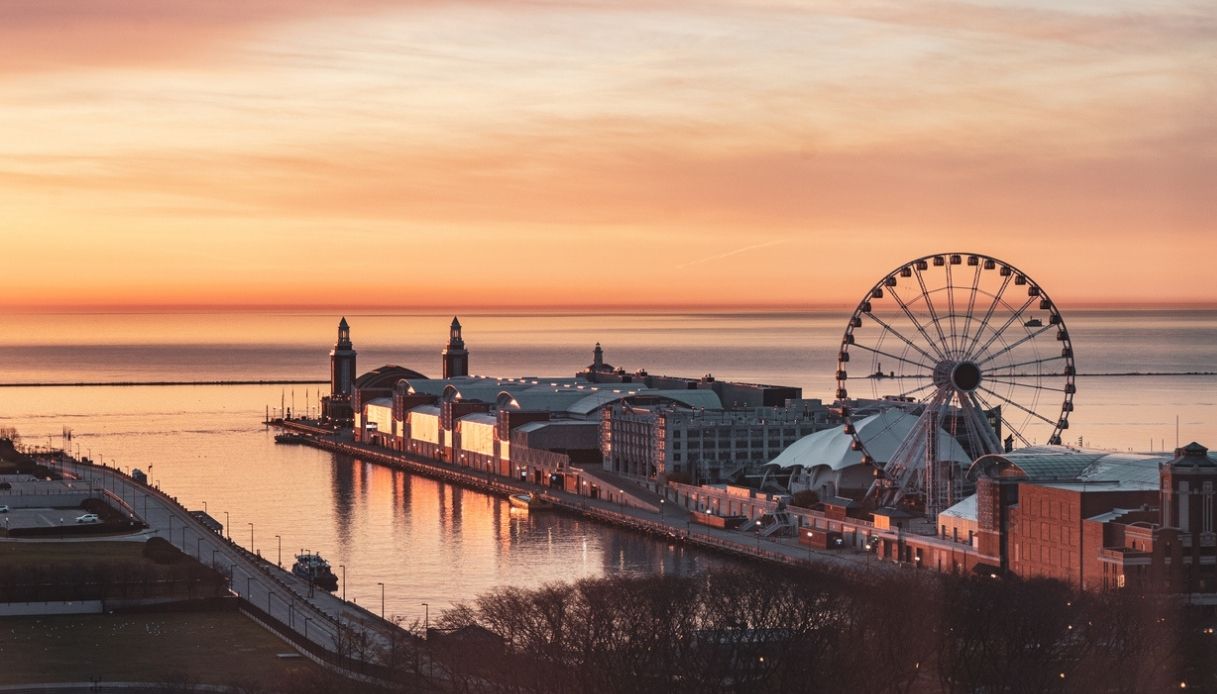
557,153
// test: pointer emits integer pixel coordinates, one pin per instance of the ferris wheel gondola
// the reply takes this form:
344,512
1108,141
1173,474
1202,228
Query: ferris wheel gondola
971,346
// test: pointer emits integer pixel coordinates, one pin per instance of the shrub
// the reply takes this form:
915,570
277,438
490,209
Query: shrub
161,551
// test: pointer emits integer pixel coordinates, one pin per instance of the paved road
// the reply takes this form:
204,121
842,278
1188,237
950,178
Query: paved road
283,595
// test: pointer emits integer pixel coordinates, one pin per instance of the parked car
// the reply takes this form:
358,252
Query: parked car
88,518
3,509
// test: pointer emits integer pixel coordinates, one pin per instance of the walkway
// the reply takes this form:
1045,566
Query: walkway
319,617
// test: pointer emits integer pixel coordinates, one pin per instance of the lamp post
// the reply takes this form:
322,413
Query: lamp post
661,508
251,536
621,498
280,539
382,599
809,546
204,506
426,618
227,530
758,534
343,568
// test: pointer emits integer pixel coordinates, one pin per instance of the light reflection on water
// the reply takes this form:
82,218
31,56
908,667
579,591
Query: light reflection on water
425,540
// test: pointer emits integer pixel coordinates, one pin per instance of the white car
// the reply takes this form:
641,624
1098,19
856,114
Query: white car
88,518
3,509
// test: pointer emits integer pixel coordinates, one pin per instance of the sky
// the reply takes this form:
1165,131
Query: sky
500,153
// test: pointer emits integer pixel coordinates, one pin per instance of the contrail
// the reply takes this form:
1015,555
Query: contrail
728,254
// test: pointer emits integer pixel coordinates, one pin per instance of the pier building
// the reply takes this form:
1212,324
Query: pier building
601,418
1095,519
667,440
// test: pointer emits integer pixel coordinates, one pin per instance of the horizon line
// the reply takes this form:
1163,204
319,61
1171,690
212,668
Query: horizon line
363,309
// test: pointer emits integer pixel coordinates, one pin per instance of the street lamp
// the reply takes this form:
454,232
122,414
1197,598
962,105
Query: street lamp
426,618
251,536
227,531
661,508
382,599
280,539
758,534
204,506
343,568
621,498
809,535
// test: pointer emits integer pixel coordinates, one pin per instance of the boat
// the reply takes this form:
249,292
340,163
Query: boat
528,502
1034,323
289,438
312,567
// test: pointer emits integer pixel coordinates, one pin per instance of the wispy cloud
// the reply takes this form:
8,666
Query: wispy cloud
728,254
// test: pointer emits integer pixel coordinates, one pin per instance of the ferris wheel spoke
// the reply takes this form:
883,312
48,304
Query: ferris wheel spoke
1029,362
980,423
890,356
1006,400
917,324
984,323
951,310
963,340
909,393
1030,336
1025,385
900,335
1000,331
929,305
1009,427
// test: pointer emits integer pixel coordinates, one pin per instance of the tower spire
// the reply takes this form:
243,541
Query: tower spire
456,357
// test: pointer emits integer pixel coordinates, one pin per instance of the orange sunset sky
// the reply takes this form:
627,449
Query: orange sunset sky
492,153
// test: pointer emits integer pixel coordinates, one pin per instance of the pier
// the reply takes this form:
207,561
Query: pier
673,523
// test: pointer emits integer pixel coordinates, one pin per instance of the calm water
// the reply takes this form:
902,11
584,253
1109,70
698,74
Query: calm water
430,542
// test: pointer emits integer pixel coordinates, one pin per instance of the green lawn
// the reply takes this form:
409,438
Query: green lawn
209,648
38,553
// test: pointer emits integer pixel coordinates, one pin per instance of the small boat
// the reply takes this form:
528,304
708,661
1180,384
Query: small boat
312,567
1034,323
528,502
289,438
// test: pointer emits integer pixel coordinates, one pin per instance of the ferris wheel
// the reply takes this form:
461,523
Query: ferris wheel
961,355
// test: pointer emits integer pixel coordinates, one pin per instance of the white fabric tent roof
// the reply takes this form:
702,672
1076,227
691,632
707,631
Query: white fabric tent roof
883,434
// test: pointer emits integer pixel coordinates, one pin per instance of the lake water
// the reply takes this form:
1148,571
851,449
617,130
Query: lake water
430,542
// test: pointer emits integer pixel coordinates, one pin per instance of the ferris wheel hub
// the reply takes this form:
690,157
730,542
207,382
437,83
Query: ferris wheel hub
962,376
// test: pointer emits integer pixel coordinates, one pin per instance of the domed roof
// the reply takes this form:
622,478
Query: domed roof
386,376
883,433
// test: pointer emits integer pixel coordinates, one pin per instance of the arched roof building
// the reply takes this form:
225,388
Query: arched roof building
826,463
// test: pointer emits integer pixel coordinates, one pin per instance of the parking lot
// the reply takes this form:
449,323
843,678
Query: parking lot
39,517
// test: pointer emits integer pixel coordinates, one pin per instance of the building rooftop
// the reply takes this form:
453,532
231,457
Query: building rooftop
882,433
1066,464
965,510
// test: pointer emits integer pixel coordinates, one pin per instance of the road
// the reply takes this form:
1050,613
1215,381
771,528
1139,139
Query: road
319,617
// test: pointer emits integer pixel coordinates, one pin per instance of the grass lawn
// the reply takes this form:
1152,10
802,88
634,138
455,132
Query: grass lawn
41,553
208,648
